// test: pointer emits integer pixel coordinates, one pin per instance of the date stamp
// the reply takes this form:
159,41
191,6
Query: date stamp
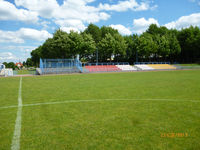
174,135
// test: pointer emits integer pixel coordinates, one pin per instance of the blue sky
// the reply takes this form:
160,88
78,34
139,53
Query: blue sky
26,24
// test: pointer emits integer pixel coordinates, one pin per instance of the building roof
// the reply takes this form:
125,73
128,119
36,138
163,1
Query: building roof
19,64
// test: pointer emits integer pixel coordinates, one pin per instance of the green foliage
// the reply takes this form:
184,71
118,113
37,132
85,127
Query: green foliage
112,46
130,53
29,62
105,30
88,47
57,47
95,31
156,44
36,55
120,47
189,40
10,65
106,48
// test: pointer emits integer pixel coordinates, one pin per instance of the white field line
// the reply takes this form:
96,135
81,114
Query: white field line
100,100
17,132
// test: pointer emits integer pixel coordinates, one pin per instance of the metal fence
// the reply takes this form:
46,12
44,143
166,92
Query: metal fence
60,66
24,72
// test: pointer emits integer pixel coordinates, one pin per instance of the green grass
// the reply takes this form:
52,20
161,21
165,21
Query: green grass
8,96
117,124
21,72
187,64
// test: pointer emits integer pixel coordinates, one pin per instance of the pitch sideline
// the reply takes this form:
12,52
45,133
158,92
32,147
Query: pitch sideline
17,132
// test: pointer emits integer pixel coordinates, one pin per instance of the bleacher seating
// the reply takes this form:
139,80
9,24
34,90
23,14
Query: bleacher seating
144,67
127,67
103,68
161,66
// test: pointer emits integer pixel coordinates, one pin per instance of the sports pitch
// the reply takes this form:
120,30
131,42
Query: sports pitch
106,111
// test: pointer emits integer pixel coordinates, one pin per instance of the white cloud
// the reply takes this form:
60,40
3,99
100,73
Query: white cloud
18,48
122,29
9,12
125,5
141,25
9,36
32,34
7,56
71,24
185,21
44,8
79,10
70,9
23,34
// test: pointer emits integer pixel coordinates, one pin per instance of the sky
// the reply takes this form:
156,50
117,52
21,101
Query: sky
26,24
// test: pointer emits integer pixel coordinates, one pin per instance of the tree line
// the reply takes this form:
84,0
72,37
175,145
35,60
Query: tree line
108,45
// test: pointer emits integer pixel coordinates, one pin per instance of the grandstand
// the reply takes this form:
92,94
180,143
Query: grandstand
154,66
127,67
103,68
60,66
144,67
108,67
161,66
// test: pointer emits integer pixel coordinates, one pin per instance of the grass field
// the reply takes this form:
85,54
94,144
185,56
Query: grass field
24,72
111,111
188,64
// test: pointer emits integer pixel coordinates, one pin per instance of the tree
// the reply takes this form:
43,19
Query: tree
156,44
75,43
174,47
146,47
36,55
29,62
105,30
95,31
88,47
5,63
130,55
189,40
112,47
120,48
11,65
57,47
106,48
155,30
167,46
